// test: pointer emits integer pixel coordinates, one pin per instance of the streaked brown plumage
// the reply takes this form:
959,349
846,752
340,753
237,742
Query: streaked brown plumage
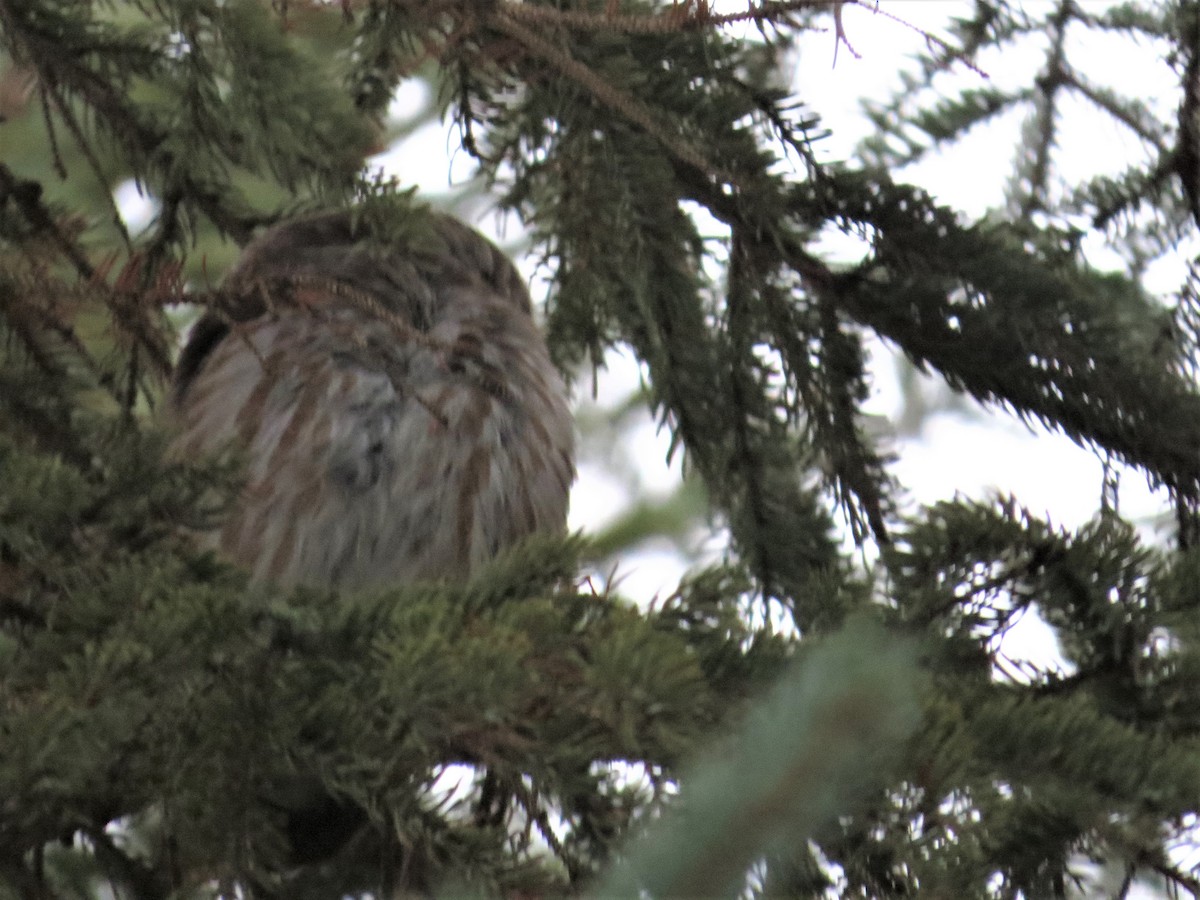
398,409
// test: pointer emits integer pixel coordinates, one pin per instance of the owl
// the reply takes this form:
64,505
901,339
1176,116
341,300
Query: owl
396,409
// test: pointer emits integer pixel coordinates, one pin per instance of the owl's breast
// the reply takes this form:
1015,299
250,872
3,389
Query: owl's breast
375,455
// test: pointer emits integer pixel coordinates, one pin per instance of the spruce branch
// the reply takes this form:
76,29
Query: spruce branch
777,526
831,406
30,316
129,302
824,737
612,97
1187,150
1111,198
687,16
857,467
27,195
941,121
1033,169
142,882
59,76
741,392
1132,114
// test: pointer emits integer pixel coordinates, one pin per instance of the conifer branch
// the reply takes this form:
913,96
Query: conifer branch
857,469
1133,116
689,15
58,76
746,458
620,102
27,195
1187,151
1031,197
140,880
1111,198
847,735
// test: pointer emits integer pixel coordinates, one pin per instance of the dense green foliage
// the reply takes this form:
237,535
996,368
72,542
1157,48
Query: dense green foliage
159,715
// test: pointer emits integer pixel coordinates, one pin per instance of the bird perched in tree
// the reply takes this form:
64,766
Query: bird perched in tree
396,404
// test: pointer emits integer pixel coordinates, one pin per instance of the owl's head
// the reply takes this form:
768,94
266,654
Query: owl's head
421,270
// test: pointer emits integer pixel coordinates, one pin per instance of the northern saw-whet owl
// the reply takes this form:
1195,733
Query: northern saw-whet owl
397,408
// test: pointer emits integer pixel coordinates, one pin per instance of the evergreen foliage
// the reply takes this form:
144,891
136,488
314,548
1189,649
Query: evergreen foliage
785,723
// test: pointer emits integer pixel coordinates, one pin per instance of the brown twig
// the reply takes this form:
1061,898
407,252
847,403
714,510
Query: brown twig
27,195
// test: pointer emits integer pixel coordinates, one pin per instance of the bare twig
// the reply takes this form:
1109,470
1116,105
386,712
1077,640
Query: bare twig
27,195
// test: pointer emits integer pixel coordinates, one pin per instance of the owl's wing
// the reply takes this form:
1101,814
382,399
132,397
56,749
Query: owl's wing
375,458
